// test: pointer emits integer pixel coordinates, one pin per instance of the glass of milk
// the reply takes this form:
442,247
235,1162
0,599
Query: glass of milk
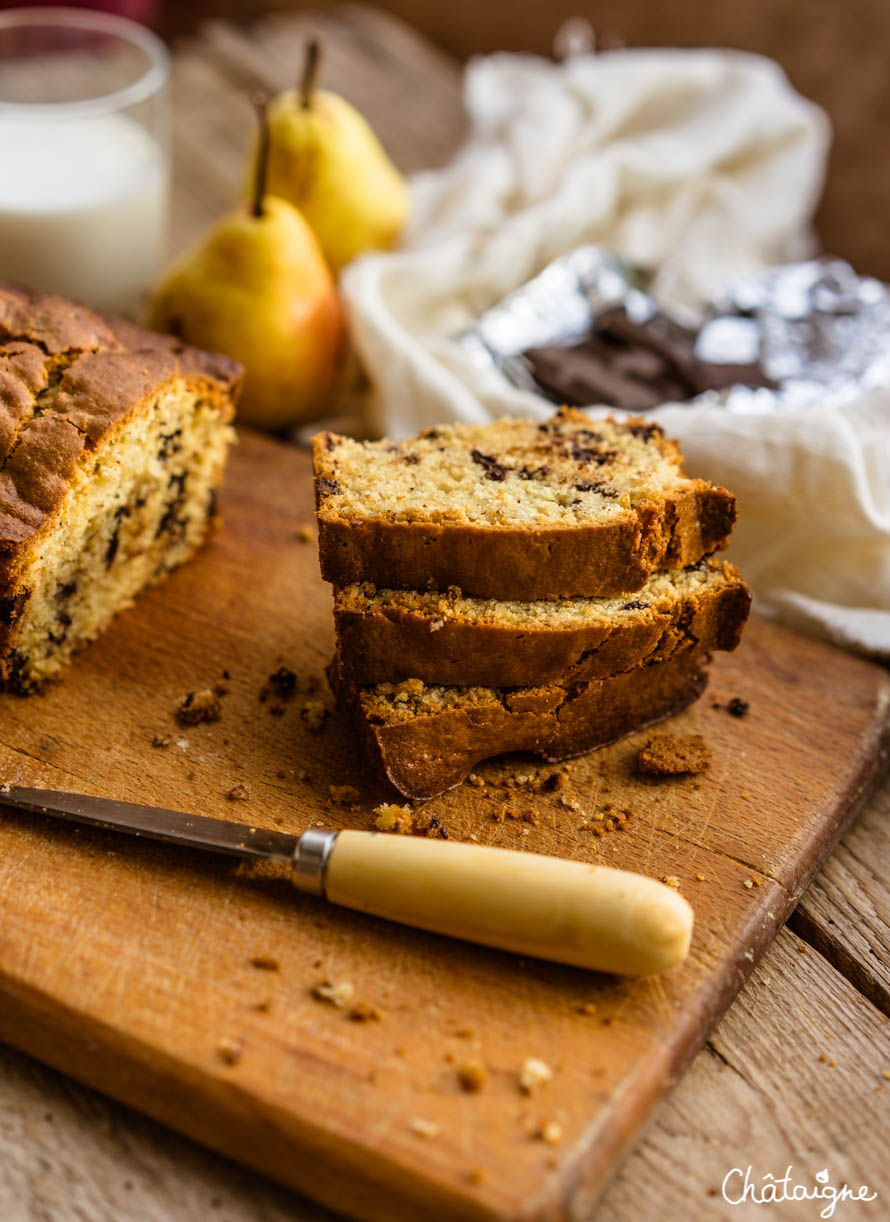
84,155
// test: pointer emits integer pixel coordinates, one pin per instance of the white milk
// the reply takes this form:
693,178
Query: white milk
82,208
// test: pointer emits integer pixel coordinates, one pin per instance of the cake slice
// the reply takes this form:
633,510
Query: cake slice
573,507
112,445
426,739
389,635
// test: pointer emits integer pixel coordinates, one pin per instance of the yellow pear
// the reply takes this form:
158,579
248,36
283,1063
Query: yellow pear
325,159
257,288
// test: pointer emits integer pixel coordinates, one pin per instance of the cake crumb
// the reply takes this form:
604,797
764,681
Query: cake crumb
700,878
667,755
338,995
343,795
305,534
671,880
265,963
738,707
162,741
534,1073
517,815
748,883
472,1077
424,1128
476,780
551,1132
393,818
314,713
282,684
230,1050
364,1012
555,782
238,793
197,707
587,1008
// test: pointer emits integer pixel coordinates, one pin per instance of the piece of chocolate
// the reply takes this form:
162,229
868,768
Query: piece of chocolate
635,366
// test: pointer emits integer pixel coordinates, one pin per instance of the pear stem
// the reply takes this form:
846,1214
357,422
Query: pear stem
262,154
311,64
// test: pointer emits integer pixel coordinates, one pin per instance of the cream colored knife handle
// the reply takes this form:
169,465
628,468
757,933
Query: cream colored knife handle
567,911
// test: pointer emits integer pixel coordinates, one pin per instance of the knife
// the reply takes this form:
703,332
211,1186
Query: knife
566,911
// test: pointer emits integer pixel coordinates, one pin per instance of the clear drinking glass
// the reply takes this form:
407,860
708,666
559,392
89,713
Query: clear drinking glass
84,155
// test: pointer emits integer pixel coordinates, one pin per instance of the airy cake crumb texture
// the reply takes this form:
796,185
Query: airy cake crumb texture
662,591
571,470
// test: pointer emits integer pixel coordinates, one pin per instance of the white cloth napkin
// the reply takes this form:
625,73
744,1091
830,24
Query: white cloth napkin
705,165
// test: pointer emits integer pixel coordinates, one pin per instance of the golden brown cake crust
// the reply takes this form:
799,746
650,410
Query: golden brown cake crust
67,378
424,755
418,636
70,382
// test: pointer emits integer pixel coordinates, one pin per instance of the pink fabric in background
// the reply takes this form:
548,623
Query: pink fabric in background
144,11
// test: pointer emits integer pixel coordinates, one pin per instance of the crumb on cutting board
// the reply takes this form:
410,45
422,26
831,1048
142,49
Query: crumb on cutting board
424,1128
199,706
238,793
230,1050
534,1073
265,963
666,755
472,1077
364,1012
338,995
343,795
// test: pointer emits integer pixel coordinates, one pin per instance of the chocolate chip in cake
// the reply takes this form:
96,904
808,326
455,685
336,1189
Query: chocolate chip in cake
634,605
646,432
11,607
584,455
493,469
327,487
597,485
171,443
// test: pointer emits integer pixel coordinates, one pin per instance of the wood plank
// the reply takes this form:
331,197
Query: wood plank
99,1148
762,1095
142,964
846,912
68,1152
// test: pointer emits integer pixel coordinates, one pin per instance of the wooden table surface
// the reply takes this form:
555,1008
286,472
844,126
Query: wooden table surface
783,1079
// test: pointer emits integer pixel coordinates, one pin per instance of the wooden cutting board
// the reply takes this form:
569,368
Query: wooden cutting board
182,984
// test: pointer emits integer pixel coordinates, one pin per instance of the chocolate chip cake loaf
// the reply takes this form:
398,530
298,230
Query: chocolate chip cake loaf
427,739
573,507
389,635
112,445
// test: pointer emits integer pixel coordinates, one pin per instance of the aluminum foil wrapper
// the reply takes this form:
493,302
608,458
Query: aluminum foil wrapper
817,329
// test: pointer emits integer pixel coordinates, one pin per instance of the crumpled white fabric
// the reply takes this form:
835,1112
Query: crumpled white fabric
705,165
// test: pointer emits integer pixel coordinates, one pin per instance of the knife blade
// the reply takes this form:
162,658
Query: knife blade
568,911
172,826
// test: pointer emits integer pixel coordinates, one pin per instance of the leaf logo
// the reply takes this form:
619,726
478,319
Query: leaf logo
822,1176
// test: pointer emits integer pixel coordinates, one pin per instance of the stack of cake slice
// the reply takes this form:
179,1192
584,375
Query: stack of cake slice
519,587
